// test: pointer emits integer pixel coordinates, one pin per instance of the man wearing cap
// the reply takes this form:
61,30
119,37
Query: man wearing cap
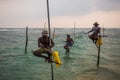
96,30
44,46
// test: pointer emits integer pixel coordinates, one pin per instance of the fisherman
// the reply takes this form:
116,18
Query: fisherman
69,42
96,32
44,46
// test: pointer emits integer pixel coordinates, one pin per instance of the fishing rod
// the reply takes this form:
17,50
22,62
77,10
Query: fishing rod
44,25
48,15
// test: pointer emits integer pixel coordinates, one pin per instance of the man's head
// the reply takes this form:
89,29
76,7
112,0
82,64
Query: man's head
96,24
68,35
44,33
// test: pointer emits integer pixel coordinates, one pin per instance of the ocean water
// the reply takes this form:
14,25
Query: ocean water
79,65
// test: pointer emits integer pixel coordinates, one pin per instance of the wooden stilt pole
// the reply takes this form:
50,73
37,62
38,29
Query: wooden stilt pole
48,14
74,29
26,40
98,57
54,33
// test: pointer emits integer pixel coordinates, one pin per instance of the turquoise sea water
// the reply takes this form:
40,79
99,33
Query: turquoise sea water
80,65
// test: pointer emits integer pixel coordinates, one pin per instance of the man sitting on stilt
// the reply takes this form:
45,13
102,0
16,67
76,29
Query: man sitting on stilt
96,30
44,46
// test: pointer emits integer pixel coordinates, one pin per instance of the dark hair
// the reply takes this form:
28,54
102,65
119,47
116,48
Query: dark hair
68,35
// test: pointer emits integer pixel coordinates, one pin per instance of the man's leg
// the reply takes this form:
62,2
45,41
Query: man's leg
38,54
49,59
91,37
95,38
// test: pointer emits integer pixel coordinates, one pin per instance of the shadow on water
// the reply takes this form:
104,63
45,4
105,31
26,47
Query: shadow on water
67,59
67,62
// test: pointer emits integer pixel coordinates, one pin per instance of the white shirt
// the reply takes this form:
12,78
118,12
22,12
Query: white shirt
95,30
